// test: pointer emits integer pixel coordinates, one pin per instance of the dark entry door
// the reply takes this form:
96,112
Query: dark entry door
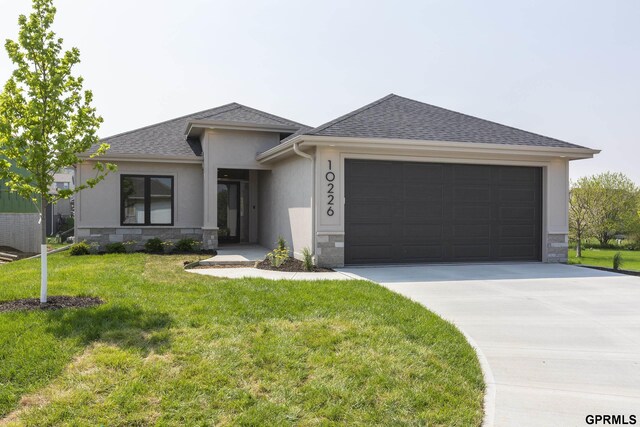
407,212
228,212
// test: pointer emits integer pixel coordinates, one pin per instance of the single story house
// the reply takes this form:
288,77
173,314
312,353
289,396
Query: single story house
396,181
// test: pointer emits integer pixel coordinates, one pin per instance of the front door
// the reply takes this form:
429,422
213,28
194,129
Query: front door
228,212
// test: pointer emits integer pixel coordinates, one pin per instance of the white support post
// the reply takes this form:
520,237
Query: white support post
43,274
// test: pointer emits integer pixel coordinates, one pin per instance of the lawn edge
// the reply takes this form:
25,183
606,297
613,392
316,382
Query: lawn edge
489,400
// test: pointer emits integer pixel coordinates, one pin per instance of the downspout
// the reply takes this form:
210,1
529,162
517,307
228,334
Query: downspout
296,149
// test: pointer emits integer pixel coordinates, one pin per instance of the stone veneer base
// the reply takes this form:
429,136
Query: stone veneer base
140,235
330,250
557,248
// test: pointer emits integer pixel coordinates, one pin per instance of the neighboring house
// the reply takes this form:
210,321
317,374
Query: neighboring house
19,227
396,181
60,213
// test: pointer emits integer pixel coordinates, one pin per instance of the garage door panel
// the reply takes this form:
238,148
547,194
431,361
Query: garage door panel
399,212
422,210
471,194
517,252
416,172
371,253
422,232
423,192
471,174
472,213
373,232
471,231
372,210
471,251
517,175
422,253
518,195
517,231
373,190
514,213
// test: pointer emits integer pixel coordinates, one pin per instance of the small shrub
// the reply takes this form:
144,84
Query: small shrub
278,256
617,261
116,248
307,259
167,246
185,245
130,246
281,244
154,246
80,248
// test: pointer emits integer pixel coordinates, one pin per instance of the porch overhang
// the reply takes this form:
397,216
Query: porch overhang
195,128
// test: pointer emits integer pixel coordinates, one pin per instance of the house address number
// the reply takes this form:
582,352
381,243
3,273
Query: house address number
330,177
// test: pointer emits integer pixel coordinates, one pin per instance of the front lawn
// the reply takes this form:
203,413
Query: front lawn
604,258
175,348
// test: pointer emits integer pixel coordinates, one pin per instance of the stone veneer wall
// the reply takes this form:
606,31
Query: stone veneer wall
210,239
103,236
330,250
557,248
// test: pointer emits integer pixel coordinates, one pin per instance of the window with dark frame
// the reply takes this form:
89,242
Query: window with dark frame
146,200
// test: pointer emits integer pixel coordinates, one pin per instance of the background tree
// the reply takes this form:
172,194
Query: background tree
579,210
615,204
608,203
46,119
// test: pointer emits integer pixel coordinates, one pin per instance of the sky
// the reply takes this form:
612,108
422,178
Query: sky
562,68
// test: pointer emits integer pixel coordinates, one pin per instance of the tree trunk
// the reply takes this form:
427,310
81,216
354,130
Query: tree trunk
579,247
43,251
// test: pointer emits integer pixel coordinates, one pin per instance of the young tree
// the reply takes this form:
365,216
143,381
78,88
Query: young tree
579,209
46,118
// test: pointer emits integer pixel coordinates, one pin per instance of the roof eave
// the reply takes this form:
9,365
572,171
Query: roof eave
569,153
154,158
195,127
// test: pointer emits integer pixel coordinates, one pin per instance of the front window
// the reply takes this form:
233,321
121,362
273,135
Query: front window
146,200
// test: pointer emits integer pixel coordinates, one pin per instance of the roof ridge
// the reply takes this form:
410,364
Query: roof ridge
171,120
272,116
486,120
349,115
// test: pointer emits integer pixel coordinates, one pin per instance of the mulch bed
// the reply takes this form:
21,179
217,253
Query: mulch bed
53,303
292,264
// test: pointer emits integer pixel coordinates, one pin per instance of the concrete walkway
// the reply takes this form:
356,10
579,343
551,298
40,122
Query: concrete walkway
558,342
238,254
241,272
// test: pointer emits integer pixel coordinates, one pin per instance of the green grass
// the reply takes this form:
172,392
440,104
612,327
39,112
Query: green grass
176,348
604,258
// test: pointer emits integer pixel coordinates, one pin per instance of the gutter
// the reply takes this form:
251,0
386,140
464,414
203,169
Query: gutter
296,149
425,145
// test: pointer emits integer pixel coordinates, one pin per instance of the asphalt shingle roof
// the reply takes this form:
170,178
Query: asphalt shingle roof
391,117
167,138
396,117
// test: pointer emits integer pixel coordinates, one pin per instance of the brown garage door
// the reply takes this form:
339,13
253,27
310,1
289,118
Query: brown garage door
406,212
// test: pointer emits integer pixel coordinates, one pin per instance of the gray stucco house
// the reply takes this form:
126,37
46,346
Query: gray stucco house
396,181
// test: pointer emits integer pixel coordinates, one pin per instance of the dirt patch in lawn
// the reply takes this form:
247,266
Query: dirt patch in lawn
291,264
53,303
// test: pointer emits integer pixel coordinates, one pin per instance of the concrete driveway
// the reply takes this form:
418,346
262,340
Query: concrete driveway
557,342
